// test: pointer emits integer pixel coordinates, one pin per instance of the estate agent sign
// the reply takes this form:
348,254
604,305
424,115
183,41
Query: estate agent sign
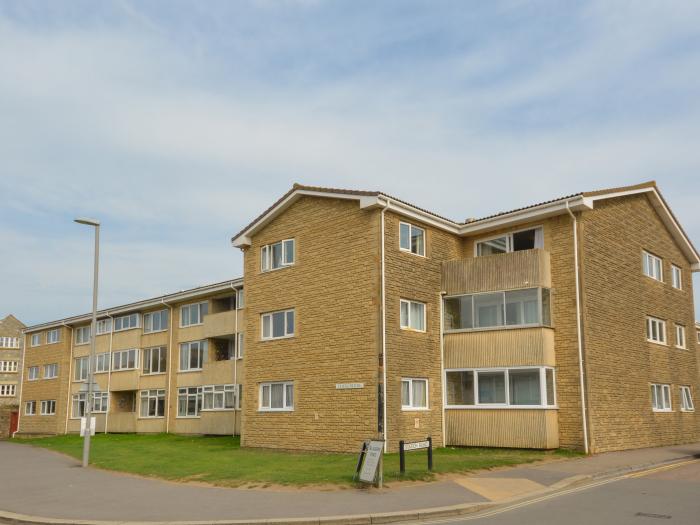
368,472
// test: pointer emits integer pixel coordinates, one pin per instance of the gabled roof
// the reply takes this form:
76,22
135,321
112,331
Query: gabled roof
575,202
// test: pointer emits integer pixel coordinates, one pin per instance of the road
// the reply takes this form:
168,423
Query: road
661,496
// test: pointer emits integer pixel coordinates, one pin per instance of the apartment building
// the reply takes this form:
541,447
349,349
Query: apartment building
168,364
562,324
10,369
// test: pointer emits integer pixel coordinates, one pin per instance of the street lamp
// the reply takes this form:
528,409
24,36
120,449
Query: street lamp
93,331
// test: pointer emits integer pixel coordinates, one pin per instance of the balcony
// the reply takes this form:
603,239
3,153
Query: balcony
219,324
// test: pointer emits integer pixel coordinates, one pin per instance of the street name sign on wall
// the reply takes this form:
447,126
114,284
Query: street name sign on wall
368,472
348,386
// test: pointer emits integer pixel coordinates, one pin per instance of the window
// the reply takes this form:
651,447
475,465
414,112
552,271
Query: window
13,342
33,373
192,314
30,408
126,322
8,390
277,255
239,349
48,407
125,360
52,336
104,326
102,362
155,360
527,307
277,397
36,339
155,321
661,398
82,335
240,302
531,387
152,403
51,371
276,325
411,238
656,330
80,368
686,400
193,355
511,242
412,315
653,266
100,402
8,366
78,405
189,401
676,277
219,397
680,336
414,394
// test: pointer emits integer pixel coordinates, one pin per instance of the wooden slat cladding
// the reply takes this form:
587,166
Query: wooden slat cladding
493,348
502,428
523,269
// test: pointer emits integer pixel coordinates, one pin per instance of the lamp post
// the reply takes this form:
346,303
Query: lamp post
93,330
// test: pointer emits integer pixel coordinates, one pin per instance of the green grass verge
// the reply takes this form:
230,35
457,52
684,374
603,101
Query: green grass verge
221,461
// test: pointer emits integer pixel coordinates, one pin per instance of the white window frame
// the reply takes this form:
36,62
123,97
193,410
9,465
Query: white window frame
149,317
266,259
101,406
33,373
412,407
186,391
286,406
8,367
53,336
676,277
48,407
80,335
202,309
412,227
36,339
148,395
51,367
104,326
118,355
202,348
650,267
103,362
270,315
240,299
680,337
408,303
660,330
686,399
27,411
240,348
80,363
665,390
9,342
217,393
147,361
76,400
132,322
509,239
8,390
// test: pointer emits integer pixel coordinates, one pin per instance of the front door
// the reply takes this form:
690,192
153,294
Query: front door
14,421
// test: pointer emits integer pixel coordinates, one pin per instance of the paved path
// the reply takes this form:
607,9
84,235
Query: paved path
45,483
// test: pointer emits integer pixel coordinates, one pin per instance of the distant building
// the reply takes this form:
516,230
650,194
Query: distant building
10,370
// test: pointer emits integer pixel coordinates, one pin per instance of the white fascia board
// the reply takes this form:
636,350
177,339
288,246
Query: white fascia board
410,212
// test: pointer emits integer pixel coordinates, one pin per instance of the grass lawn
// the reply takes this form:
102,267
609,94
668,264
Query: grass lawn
221,461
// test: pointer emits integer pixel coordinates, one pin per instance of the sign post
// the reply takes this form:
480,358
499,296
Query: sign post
416,445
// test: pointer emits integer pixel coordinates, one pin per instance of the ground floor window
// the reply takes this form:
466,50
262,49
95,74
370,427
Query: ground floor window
189,401
100,402
152,403
277,396
686,399
414,394
30,408
660,398
530,387
219,397
48,407
8,390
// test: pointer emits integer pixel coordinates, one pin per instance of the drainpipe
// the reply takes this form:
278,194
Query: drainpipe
442,364
579,330
69,402
235,361
109,370
384,360
170,358
21,383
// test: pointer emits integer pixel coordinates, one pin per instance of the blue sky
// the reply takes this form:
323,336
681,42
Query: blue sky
177,122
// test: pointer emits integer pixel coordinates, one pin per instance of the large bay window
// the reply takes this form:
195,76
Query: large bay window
525,387
513,308
511,242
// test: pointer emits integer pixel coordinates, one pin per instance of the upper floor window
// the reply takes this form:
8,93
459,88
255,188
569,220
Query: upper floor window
277,255
239,346
36,339
52,336
125,360
155,360
276,396
8,366
102,362
155,321
126,322
653,266
656,330
411,238
11,342
80,368
33,373
277,325
686,399
82,335
48,407
240,301
412,315
511,242
661,398
676,277
680,336
414,394
193,355
104,326
528,307
8,390
193,314
51,371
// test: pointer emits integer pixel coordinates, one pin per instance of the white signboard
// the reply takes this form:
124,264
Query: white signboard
369,467
83,424
348,386
416,446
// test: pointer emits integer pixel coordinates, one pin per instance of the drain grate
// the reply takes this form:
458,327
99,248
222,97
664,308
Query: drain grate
650,515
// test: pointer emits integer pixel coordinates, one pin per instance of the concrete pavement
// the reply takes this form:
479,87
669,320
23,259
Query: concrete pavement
48,484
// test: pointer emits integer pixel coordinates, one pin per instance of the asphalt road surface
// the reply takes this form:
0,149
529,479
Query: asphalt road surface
659,497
